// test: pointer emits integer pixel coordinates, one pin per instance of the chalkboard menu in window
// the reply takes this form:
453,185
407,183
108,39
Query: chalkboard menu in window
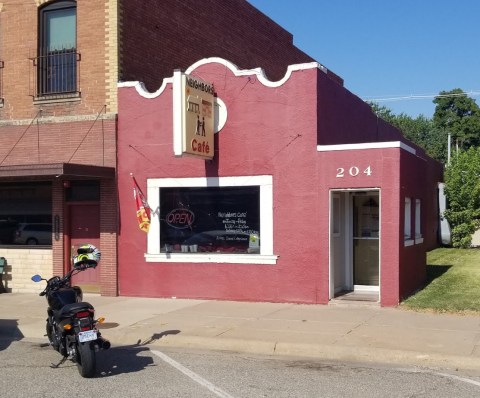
210,219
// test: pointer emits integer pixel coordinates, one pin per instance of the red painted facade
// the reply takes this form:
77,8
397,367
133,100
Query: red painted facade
291,132
272,130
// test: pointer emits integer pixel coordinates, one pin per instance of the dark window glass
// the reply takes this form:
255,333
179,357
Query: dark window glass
212,219
22,204
33,234
57,63
83,190
39,227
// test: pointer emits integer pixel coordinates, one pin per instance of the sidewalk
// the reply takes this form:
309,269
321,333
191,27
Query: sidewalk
350,332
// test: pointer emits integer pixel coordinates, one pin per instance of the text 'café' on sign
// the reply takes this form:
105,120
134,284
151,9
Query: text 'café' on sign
193,124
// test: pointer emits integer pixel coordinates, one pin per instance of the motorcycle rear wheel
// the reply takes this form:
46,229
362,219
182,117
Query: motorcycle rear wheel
86,361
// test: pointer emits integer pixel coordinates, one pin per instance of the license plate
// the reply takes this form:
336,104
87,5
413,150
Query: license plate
89,335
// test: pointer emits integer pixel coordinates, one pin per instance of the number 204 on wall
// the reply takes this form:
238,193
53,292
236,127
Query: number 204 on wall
352,171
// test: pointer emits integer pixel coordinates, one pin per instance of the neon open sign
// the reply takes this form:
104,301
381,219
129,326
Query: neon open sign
180,218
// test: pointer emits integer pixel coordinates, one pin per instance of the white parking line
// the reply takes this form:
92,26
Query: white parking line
450,376
464,379
200,380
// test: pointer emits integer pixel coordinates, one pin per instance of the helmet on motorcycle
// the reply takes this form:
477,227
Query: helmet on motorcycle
87,255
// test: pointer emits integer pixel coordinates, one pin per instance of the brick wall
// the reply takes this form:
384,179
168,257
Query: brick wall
22,264
82,141
18,34
108,238
174,34
77,130
170,34
111,60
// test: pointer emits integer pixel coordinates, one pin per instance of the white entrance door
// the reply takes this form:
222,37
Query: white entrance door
366,239
354,241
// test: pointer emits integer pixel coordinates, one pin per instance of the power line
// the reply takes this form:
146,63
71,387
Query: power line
419,97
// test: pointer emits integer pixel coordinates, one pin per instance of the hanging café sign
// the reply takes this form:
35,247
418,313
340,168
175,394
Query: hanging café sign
193,116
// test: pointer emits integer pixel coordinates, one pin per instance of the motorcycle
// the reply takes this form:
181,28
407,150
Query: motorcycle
71,327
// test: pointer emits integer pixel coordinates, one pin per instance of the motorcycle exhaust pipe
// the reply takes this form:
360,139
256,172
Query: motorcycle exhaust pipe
102,343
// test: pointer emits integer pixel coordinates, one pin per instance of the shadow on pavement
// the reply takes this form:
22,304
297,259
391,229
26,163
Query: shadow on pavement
119,360
9,332
157,336
128,359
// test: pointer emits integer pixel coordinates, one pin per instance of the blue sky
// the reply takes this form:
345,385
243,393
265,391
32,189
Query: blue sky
389,48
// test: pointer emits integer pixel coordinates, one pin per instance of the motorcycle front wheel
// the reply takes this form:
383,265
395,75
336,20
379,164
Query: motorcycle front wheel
86,361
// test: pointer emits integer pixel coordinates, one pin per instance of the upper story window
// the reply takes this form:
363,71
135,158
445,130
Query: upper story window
57,49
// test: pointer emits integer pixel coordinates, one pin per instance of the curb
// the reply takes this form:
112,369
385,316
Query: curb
320,352
299,350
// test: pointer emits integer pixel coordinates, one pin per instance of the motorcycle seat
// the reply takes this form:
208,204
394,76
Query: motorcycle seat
71,309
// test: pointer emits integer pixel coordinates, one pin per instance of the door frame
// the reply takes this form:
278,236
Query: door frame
347,224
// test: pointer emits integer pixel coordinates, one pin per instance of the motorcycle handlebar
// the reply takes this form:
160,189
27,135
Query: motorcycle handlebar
57,282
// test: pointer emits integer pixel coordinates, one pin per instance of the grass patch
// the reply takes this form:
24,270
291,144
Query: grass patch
453,282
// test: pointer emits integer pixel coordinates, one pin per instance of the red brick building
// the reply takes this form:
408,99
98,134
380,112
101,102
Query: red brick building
60,62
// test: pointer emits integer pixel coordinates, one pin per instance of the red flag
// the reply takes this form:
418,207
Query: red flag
143,209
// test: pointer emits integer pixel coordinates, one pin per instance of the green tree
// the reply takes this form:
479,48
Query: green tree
462,188
459,115
421,130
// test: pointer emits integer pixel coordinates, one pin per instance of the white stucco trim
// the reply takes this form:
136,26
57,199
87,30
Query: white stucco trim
257,72
366,145
266,255
210,258
141,89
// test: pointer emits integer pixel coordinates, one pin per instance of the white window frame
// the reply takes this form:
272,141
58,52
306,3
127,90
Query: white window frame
407,230
266,255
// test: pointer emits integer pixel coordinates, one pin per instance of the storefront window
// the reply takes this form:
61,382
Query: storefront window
26,213
217,220
210,220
